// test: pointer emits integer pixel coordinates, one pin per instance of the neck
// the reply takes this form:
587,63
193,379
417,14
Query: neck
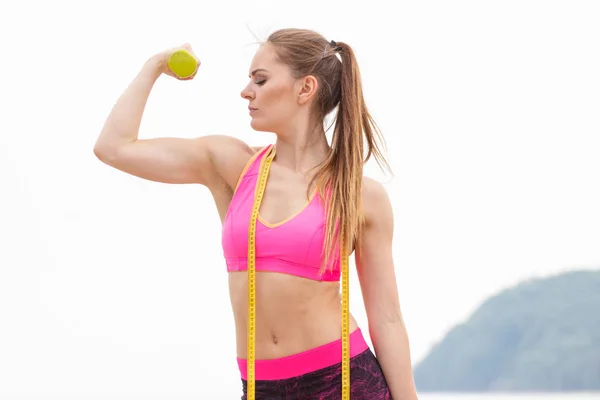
300,150
301,156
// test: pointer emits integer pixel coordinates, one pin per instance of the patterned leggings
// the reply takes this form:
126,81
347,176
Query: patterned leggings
366,383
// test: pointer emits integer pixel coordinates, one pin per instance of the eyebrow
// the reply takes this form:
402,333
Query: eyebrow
255,71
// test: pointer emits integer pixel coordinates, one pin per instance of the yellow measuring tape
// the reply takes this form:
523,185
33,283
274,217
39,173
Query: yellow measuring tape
345,327
262,183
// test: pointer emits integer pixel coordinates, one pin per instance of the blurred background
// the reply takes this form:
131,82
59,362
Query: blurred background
112,287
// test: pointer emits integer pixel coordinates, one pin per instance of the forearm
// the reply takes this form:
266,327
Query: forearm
391,345
123,122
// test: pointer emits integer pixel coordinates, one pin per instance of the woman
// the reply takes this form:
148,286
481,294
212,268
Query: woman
315,198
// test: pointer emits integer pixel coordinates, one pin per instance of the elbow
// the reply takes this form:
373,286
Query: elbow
107,147
101,152
389,328
98,151
386,317
105,152
110,143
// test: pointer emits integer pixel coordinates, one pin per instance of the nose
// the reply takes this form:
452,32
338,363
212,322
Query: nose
247,93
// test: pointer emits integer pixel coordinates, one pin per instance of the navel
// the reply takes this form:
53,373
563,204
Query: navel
275,339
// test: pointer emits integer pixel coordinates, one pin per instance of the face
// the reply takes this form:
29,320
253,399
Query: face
272,92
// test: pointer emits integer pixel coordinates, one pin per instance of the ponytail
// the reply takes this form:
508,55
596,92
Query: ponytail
342,173
339,178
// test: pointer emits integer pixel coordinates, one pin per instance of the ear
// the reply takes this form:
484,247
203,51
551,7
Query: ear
307,89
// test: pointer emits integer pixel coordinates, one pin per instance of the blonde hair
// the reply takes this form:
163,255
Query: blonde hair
340,176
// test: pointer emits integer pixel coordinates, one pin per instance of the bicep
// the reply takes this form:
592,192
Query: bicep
374,260
180,160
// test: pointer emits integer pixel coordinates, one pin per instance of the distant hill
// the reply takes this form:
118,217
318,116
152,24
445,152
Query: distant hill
542,335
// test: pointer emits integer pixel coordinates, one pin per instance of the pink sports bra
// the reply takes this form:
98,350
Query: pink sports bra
292,247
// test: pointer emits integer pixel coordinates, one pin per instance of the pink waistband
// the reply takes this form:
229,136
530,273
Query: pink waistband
302,363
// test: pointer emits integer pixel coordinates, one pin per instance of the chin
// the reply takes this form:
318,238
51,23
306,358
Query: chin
259,126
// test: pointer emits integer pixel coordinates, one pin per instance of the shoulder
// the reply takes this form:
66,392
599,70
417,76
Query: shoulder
229,155
373,190
376,205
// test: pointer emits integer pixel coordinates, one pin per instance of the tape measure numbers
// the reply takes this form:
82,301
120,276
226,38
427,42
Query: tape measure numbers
345,327
251,350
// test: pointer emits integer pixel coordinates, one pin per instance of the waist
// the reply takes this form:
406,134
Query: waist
305,362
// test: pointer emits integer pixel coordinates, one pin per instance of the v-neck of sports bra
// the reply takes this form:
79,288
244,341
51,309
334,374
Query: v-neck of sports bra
271,154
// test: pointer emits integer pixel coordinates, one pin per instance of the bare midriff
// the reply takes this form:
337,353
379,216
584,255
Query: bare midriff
293,314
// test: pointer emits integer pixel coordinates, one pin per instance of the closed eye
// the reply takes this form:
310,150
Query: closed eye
260,83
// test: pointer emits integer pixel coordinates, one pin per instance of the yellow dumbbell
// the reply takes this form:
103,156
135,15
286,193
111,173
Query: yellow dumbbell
182,63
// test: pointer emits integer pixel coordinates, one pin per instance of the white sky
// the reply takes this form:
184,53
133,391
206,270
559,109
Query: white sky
109,283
